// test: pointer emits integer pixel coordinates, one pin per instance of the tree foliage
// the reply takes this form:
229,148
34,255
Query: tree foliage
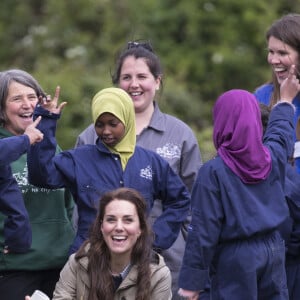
206,47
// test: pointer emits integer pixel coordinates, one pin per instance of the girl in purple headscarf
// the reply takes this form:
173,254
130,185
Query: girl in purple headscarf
238,202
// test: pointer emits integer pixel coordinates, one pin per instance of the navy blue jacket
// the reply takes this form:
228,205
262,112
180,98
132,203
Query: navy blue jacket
91,170
292,190
17,229
224,209
264,94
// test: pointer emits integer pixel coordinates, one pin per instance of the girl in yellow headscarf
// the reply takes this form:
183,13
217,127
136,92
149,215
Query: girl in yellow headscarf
113,116
115,161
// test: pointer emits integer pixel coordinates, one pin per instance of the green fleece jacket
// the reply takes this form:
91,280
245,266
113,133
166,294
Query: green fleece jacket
50,214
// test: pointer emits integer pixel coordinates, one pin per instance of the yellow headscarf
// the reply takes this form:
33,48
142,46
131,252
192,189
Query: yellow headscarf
117,102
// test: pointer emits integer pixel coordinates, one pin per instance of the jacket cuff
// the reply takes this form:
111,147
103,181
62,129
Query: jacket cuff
297,149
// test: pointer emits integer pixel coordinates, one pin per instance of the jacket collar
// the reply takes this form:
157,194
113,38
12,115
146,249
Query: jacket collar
157,121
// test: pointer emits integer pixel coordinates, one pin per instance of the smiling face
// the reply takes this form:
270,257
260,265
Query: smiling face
121,227
138,81
281,57
19,107
109,129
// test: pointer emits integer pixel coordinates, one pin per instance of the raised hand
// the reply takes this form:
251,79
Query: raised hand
290,87
52,104
33,133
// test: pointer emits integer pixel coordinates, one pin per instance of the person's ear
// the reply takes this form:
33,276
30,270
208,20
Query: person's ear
158,82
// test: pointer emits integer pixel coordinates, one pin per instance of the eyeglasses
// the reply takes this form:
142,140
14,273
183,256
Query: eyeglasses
136,44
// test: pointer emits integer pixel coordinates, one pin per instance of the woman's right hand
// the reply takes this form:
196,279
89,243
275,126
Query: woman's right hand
290,87
33,133
188,295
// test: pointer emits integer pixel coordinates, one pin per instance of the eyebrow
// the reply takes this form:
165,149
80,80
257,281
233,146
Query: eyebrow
20,95
125,216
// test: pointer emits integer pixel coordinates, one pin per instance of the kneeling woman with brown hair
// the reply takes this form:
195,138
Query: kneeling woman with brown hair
117,261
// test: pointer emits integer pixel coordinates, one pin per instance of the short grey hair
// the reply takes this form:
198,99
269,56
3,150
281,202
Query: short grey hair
20,76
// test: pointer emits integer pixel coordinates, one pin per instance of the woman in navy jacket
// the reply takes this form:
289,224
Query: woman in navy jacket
115,161
238,202
17,229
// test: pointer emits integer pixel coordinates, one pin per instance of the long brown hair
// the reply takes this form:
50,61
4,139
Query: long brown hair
287,30
102,286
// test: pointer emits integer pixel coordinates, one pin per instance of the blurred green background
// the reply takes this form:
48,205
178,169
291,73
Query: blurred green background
206,47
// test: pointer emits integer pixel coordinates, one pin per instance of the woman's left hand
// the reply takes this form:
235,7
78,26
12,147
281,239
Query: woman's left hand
52,104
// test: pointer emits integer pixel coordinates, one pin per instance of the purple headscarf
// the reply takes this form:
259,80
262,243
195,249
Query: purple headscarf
238,136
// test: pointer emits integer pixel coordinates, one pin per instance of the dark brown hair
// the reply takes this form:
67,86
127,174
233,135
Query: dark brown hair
265,111
142,50
102,286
